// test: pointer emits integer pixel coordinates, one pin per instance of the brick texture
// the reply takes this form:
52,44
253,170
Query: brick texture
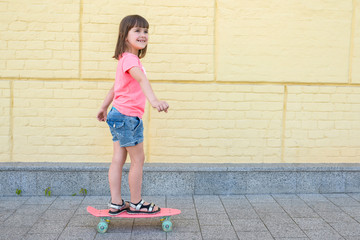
271,41
41,38
5,103
247,81
355,74
322,124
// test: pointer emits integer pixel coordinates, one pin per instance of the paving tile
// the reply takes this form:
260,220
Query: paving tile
321,234
346,228
276,218
313,198
207,198
242,213
301,212
113,236
264,216
147,222
292,238
186,214
345,202
76,233
336,217
57,215
45,227
288,230
352,237
254,236
97,200
324,207
21,220
356,196
119,225
5,214
208,208
83,221
211,219
180,202
285,196
218,232
42,200
267,207
186,226
231,205
311,223
184,235
232,197
7,233
41,236
235,203
352,211
148,233
248,225
65,204
10,203
292,203
263,198
32,209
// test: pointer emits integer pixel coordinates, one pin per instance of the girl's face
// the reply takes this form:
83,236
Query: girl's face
137,39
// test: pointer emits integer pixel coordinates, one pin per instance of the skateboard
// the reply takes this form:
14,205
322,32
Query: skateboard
165,215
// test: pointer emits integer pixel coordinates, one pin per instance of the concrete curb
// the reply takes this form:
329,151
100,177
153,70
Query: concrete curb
179,179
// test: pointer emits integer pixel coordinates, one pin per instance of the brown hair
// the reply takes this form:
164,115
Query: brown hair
126,24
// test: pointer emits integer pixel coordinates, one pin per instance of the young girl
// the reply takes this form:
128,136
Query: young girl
128,94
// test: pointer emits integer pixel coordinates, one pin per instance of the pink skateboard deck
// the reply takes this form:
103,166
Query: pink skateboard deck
164,214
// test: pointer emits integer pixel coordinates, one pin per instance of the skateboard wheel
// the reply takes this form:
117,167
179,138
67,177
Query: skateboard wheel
102,227
167,226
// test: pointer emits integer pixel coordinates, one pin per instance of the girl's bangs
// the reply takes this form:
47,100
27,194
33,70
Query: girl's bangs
141,22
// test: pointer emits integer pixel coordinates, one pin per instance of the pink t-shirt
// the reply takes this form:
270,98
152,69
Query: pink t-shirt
129,99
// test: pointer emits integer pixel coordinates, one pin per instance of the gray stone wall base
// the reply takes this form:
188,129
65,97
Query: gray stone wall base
181,179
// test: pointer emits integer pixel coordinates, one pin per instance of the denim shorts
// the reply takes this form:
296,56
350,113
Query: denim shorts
125,129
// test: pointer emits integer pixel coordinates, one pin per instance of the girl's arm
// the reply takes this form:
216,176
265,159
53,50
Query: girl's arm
101,116
137,74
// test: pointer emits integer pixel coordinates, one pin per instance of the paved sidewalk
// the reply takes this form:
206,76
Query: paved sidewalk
248,217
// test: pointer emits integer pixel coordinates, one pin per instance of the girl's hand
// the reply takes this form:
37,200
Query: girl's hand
160,106
101,116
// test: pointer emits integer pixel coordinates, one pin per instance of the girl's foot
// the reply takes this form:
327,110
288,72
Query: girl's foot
117,209
143,208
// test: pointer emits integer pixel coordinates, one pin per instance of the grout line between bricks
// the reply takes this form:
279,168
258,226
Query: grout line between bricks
328,84
11,122
352,33
215,41
283,129
80,38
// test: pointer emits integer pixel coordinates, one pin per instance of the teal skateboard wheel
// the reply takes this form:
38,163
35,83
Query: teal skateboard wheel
167,226
102,227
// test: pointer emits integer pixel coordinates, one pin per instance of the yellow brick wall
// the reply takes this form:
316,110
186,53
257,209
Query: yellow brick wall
247,81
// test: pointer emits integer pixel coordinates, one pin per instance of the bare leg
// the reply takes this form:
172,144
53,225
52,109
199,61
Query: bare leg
115,172
137,157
